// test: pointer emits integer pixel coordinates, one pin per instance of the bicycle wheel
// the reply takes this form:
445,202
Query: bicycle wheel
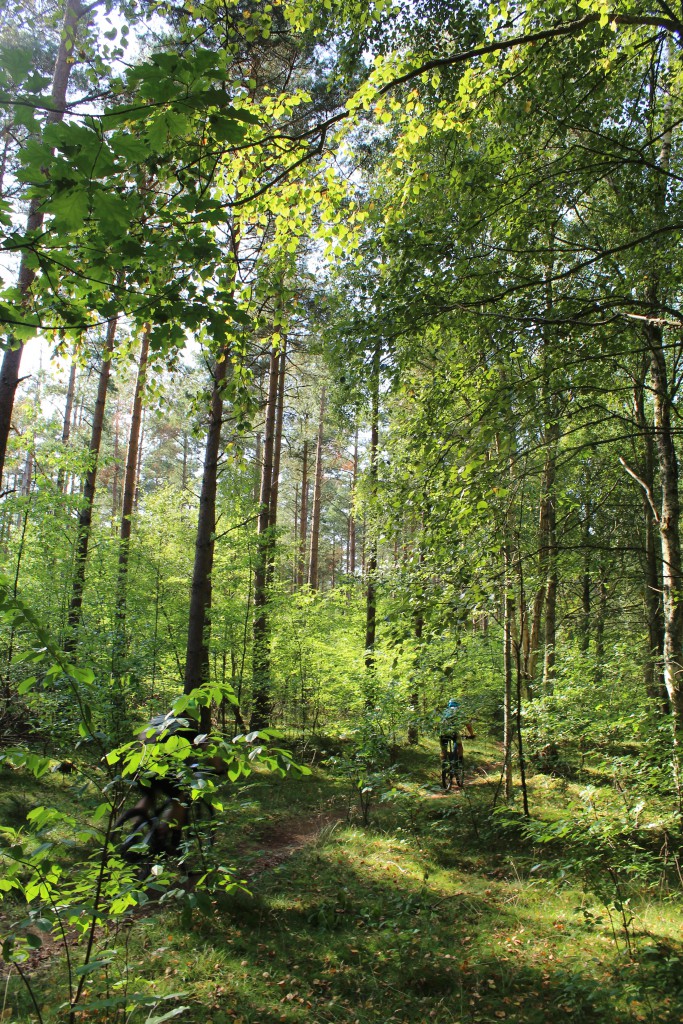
446,777
459,773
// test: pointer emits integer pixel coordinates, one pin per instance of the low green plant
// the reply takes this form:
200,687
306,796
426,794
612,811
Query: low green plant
66,874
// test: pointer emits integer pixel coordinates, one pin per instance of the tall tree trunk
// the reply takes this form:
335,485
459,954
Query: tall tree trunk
11,363
66,425
115,478
414,700
257,468
128,501
653,678
317,501
277,444
89,486
197,653
138,471
508,718
670,511
600,619
262,701
295,545
371,561
585,628
352,518
303,521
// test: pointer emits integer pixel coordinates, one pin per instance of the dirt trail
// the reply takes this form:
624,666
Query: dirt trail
281,841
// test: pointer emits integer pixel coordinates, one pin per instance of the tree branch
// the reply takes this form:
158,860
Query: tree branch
648,492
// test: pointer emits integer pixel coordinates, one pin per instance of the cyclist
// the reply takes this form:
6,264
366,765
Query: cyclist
448,729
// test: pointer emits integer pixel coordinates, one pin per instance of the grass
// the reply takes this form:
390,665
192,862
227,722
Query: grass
431,913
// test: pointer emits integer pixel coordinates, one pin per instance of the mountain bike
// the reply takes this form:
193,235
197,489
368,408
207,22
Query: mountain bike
452,766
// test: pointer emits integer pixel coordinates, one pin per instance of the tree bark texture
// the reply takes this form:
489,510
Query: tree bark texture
197,653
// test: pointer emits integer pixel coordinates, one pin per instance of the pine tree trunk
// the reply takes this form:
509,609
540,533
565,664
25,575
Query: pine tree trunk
197,653
303,521
89,486
129,487
414,700
317,501
277,446
585,630
11,363
115,478
138,471
352,519
262,702
663,399
508,719
371,562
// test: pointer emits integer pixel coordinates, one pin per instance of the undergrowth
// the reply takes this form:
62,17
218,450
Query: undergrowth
430,908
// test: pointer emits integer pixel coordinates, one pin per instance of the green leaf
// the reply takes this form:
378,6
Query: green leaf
69,209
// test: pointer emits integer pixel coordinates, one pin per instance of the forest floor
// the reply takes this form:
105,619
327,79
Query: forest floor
429,912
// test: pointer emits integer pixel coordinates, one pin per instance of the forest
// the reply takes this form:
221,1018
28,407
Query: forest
341,573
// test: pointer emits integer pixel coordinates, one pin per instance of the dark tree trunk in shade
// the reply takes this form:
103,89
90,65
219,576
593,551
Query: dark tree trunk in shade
508,719
89,487
261,703
371,557
11,363
277,451
413,731
197,653
129,488
317,501
550,560
585,627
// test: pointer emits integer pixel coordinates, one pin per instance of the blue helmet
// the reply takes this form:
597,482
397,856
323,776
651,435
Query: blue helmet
453,703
